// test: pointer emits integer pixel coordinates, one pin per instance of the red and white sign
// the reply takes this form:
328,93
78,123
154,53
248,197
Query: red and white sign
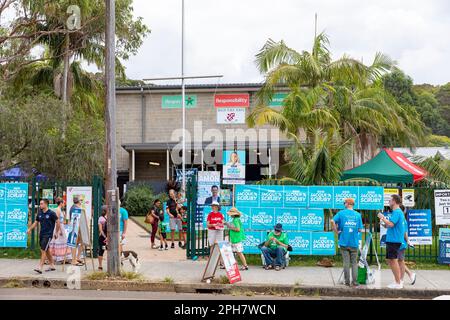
231,115
229,262
232,100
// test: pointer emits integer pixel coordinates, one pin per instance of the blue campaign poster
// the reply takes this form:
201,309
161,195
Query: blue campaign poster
16,214
323,243
300,242
320,197
2,213
444,246
288,217
13,215
271,196
245,218
296,196
252,240
247,196
262,218
371,198
343,192
419,227
14,236
16,193
311,220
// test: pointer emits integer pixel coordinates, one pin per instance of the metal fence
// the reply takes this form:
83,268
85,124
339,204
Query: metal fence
423,199
35,194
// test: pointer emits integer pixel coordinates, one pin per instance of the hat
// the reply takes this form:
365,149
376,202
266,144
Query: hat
234,212
278,227
215,203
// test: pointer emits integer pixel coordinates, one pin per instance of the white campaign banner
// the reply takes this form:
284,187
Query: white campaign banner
231,115
442,207
85,195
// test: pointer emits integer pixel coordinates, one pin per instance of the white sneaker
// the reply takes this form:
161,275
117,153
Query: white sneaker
395,286
401,283
413,278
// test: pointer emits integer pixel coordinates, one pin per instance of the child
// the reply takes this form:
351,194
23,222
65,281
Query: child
162,232
184,223
237,235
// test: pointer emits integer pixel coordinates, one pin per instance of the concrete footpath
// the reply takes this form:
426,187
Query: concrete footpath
185,276
170,271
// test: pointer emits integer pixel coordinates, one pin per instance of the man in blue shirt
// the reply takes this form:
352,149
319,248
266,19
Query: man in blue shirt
394,238
48,220
347,224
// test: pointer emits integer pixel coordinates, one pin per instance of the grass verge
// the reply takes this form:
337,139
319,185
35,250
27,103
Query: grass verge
102,276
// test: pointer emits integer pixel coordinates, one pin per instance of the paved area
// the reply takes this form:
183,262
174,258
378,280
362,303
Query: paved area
172,265
63,294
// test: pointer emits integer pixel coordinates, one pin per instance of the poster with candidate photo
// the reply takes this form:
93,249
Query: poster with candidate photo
233,167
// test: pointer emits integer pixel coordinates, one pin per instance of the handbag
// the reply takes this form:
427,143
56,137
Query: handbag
149,218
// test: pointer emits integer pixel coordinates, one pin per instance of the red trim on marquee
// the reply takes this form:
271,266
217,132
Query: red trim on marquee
417,172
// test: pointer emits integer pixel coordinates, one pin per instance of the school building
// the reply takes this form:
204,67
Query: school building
149,123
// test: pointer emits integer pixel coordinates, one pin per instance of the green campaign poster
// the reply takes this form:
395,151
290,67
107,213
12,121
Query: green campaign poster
175,101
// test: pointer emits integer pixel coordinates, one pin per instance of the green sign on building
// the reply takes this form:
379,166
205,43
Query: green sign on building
277,100
175,102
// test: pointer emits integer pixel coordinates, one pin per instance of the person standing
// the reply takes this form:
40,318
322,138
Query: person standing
155,211
215,224
347,224
401,256
276,247
123,225
47,220
58,246
237,235
102,235
394,238
175,220
184,223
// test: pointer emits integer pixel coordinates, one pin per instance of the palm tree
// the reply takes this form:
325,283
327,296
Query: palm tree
344,94
319,162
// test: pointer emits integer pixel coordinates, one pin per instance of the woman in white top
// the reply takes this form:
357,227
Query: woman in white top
58,246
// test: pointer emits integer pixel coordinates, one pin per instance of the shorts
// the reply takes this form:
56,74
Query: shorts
401,254
185,228
175,224
392,250
101,246
164,235
237,247
44,241
214,235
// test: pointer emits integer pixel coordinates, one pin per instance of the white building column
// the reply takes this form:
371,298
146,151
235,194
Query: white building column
167,165
133,165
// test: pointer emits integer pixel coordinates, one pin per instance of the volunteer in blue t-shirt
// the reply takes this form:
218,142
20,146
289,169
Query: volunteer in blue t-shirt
395,236
348,224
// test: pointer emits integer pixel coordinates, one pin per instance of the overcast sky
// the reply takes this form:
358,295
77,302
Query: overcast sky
223,37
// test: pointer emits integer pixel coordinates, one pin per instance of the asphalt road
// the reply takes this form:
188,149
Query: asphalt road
65,294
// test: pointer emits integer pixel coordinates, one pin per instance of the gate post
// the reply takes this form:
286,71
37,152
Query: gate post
33,208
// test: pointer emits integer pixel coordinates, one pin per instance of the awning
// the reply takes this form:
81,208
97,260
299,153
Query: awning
387,166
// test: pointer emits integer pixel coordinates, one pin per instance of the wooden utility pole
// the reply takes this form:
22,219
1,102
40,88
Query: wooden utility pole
110,117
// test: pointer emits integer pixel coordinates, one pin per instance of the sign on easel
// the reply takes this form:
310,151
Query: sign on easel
222,249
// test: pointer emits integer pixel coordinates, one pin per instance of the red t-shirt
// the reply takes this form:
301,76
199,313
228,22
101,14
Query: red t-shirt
214,218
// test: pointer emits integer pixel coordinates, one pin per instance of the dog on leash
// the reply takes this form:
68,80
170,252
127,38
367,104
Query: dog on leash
132,257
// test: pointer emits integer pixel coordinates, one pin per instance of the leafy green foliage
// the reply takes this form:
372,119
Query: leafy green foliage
139,199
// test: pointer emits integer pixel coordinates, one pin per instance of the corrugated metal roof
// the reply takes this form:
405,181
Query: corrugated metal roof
190,86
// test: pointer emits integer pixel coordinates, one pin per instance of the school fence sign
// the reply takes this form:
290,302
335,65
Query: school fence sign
444,246
312,197
13,215
419,227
